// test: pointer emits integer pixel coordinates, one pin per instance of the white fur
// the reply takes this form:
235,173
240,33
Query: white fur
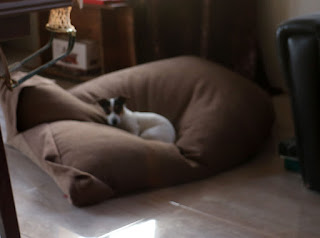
147,125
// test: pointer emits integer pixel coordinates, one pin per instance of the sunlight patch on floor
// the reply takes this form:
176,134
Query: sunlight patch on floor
140,229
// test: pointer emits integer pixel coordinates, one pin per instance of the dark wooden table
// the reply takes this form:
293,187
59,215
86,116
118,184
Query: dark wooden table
14,15
8,219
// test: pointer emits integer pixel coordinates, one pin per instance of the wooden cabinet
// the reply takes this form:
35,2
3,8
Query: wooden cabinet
110,26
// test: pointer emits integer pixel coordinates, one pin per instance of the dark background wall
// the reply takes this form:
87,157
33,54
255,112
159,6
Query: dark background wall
222,31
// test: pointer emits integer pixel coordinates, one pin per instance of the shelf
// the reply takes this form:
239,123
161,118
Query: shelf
13,7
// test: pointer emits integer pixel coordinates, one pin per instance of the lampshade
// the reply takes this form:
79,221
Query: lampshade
60,22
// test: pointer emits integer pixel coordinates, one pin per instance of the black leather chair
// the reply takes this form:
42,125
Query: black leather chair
299,50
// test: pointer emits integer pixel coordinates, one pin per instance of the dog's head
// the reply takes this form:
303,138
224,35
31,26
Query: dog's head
113,107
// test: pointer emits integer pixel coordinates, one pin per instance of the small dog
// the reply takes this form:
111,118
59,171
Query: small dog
147,125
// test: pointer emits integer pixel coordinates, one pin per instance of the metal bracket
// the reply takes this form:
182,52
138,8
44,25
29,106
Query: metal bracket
16,66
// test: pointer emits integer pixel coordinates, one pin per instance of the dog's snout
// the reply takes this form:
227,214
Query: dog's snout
114,121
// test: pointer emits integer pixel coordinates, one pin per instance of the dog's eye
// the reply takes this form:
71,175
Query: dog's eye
107,110
117,109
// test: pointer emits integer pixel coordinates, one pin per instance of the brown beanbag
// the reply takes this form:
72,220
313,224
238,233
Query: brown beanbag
50,103
220,119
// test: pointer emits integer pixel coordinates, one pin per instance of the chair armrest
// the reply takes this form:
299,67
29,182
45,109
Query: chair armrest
305,27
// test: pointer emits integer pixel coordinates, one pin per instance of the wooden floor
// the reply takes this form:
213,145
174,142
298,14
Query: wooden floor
258,199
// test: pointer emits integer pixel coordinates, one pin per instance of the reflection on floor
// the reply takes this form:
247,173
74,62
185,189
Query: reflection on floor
258,199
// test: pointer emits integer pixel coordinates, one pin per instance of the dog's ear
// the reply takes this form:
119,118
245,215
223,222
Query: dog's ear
103,103
122,100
